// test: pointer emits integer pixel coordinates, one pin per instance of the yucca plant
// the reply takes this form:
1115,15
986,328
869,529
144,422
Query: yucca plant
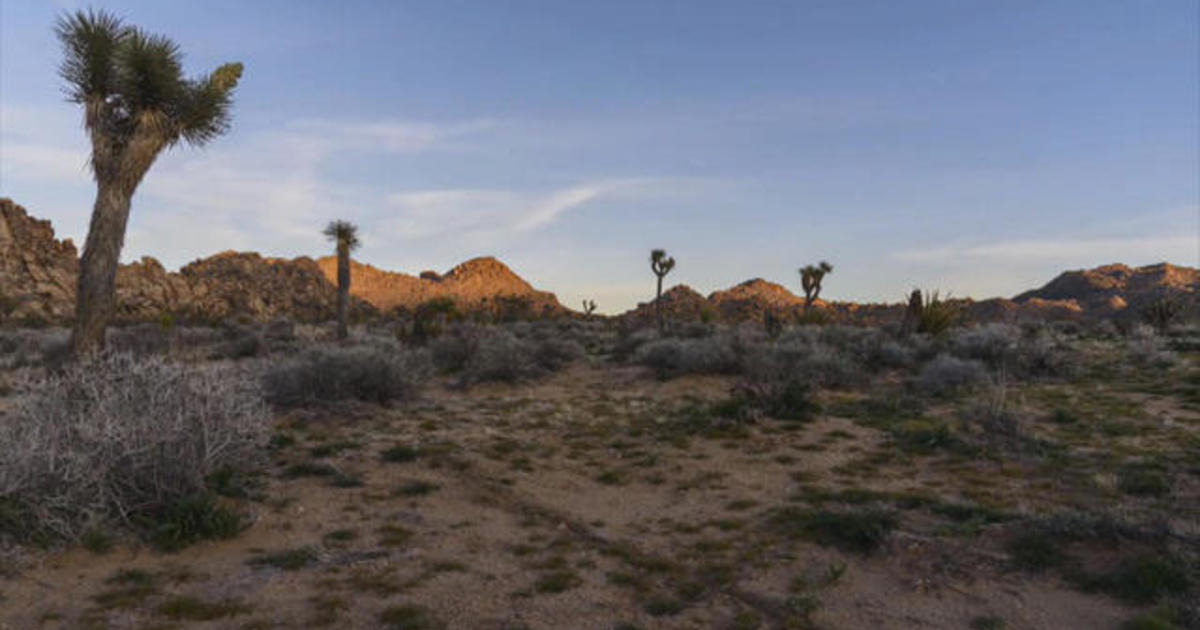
136,103
345,235
936,315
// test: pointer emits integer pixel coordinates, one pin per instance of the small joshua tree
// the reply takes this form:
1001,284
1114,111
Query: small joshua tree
136,103
661,265
810,280
589,307
345,235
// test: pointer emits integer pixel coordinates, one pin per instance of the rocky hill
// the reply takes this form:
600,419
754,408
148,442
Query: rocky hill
479,284
1115,288
1103,292
38,272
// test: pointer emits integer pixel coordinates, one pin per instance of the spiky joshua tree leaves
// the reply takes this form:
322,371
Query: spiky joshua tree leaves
345,235
136,102
661,265
810,280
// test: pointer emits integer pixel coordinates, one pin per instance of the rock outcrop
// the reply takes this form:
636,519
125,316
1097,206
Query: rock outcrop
480,284
37,271
1108,290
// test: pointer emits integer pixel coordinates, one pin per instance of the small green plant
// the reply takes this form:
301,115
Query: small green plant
557,581
663,606
417,488
190,520
287,560
933,315
97,541
1143,481
1036,550
987,622
409,617
858,531
399,454
187,608
1144,579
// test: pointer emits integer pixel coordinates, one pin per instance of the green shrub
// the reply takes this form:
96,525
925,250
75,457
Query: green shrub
857,531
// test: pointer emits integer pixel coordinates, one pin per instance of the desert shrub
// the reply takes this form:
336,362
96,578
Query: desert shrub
779,395
121,441
1143,579
804,354
1145,347
1164,310
1143,480
947,374
140,340
496,354
858,531
1046,353
239,341
937,315
670,357
380,374
995,345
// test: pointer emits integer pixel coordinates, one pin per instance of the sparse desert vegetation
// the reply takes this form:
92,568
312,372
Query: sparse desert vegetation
704,475
260,443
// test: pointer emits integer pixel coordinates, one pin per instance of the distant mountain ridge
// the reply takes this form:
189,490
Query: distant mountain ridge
38,271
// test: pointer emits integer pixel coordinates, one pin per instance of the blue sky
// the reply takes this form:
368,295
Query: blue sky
975,147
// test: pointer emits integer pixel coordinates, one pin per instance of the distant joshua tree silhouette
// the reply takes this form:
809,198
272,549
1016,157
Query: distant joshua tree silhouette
345,235
810,280
136,103
661,265
589,307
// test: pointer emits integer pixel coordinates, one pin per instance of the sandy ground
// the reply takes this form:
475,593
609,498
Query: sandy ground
565,504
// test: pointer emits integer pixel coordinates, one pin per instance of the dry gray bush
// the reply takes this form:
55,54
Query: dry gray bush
507,354
117,439
947,374
379,373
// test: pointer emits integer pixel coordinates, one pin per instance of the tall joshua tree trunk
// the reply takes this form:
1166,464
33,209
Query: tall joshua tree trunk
661,265
95,298
136,103
345,235
343,303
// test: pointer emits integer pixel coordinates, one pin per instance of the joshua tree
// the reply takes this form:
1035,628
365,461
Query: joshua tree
345,234
589,307
661,266
136,102
810,280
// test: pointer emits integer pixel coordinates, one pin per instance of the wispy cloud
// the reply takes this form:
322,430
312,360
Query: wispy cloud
1173,247
425,213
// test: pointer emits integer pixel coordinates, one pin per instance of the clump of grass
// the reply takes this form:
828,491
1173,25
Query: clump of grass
399,454
1144,579
861,531
339,536
394,536
409,617
309,469
1036,550
1143,481
417,488
192,519
187,608
132,587
987,622
663,606
557,581
288,559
